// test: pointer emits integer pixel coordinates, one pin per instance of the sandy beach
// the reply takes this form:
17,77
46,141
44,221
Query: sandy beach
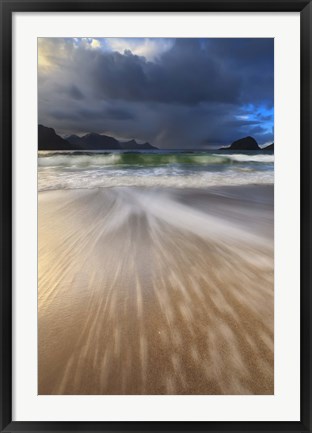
156,291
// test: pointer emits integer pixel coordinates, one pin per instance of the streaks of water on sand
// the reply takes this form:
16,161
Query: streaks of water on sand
132,301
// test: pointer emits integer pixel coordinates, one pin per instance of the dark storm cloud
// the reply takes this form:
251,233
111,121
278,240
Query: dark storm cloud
63,115
119,114
85,113
75,93
198,92
188,78
218,70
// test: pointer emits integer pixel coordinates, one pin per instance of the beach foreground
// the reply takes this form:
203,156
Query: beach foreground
156,291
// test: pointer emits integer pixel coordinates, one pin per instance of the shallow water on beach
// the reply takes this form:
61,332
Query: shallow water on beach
156,291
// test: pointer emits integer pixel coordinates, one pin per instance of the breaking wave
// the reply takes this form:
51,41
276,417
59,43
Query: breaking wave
86,170
147,159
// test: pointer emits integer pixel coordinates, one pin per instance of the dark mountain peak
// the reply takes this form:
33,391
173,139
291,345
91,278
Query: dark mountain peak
91,135
246,143
94,141
269,147
46,129
147,145
49,140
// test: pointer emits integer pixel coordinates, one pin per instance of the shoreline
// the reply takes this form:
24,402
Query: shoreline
147,187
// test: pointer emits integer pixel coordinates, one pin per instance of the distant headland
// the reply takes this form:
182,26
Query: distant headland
247,143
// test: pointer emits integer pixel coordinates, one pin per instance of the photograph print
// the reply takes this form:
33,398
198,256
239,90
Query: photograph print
155,216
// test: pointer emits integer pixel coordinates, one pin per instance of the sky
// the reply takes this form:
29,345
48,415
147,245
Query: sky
173,93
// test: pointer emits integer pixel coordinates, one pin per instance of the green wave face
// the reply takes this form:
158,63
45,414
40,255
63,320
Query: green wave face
147,159
165,159
129,160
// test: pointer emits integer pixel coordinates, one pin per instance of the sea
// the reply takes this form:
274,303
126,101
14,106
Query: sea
153,168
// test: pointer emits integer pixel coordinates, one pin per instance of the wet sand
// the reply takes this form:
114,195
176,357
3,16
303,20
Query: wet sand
144,291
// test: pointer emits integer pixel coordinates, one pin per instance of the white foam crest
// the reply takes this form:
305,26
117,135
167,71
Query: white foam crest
239,157
78,160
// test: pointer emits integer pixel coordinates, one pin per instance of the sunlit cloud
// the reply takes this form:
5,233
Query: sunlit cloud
53,52
89,43
44,61
151,49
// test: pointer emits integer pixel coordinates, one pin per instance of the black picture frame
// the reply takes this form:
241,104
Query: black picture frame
7,10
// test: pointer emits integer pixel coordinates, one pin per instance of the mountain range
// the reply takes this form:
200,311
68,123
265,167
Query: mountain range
49,140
